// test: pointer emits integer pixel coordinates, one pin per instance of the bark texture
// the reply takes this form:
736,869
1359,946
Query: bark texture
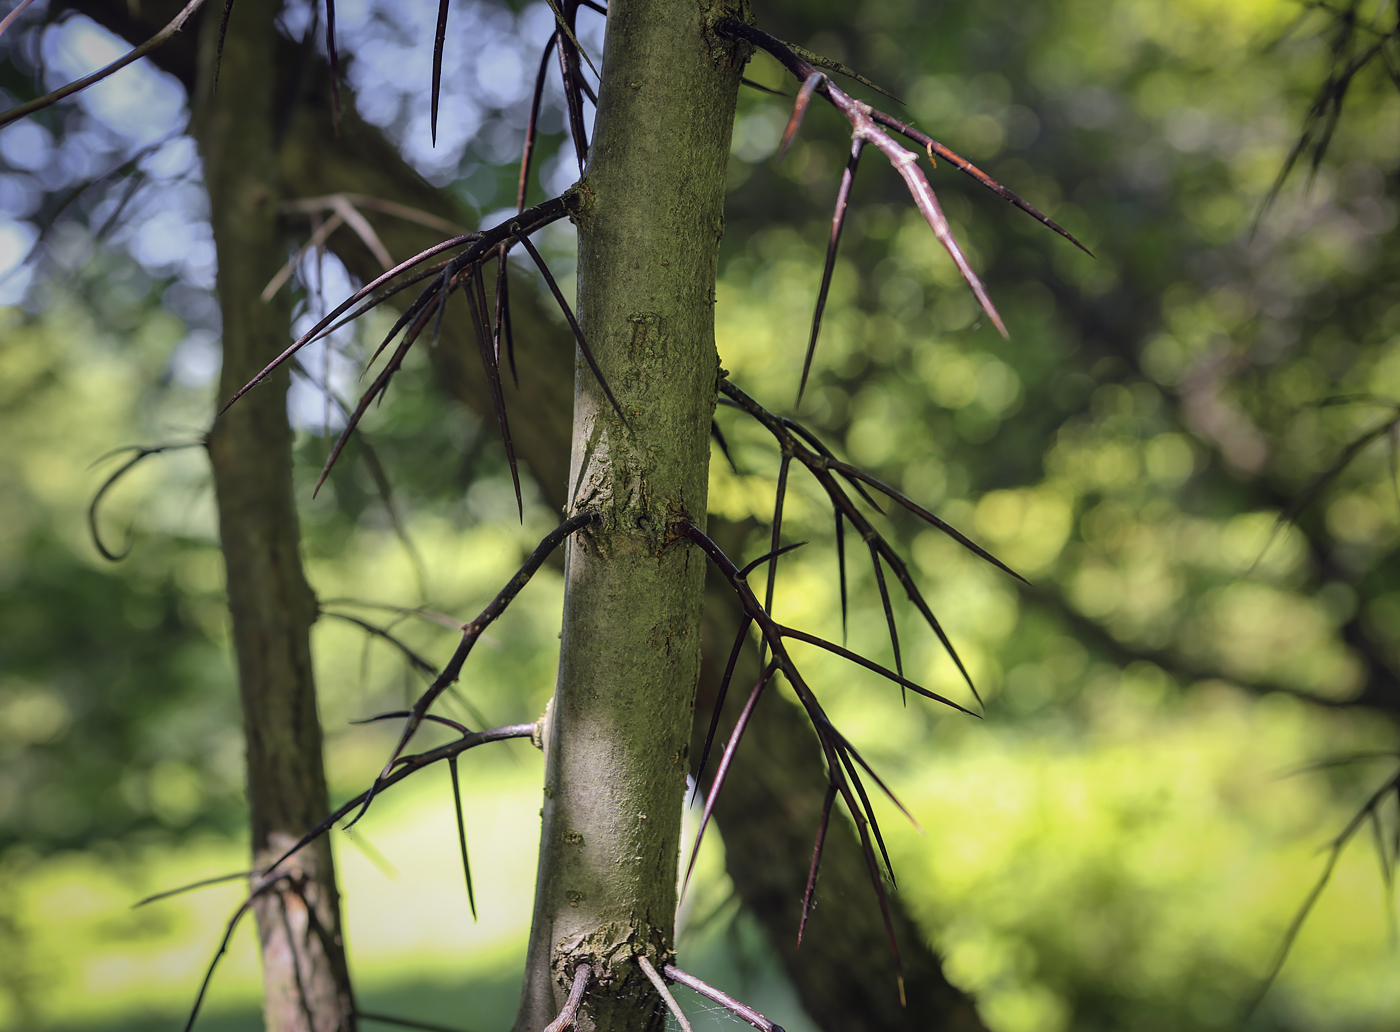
616,748
306,983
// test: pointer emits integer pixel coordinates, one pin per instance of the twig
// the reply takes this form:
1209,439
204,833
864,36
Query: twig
78,85
722,998
569,1015
660,983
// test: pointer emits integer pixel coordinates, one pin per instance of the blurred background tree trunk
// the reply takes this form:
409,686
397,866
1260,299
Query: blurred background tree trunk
305,978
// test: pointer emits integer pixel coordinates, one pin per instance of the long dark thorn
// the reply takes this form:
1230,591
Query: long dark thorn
503,318
761,88
825,452
718,435
334,61
816,860
769,556
933,147
799,109
853,777
870,664
720,696
569,1015
1315,486
841,568
889,616
779,496
573,102
720,997
845,743
433,718
406,766
202,883
573,325
840,69
376,389
854,473
462,833
354,299
838,220
726,758
388,1019
532,124
414,659
476,296
438,41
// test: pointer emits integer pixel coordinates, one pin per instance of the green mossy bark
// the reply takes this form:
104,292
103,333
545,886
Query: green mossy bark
617,746
306,984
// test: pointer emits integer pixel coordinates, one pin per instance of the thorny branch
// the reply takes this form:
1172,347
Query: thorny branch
868,126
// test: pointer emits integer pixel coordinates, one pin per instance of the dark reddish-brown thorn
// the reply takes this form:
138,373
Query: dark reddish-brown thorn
414,659
476,295
376,389
779,496
462,832
569,1015
853,777
855,473
334,61
720,997
906,164
822,450
932,147
201,884
568,59
720,696
502,320
219,48
901,571
718,435
726,758
845,743
532,124
767,556
869,664
841,568
438,40
346,305
799,109
889,615
838,220
774,634
573,325
816,860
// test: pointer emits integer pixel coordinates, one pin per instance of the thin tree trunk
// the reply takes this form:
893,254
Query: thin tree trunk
619,730
306,983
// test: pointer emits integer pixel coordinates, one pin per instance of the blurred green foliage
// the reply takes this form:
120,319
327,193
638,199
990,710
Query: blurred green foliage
1116,845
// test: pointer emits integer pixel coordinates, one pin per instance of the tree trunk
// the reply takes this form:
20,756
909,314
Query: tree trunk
617,744
306,982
